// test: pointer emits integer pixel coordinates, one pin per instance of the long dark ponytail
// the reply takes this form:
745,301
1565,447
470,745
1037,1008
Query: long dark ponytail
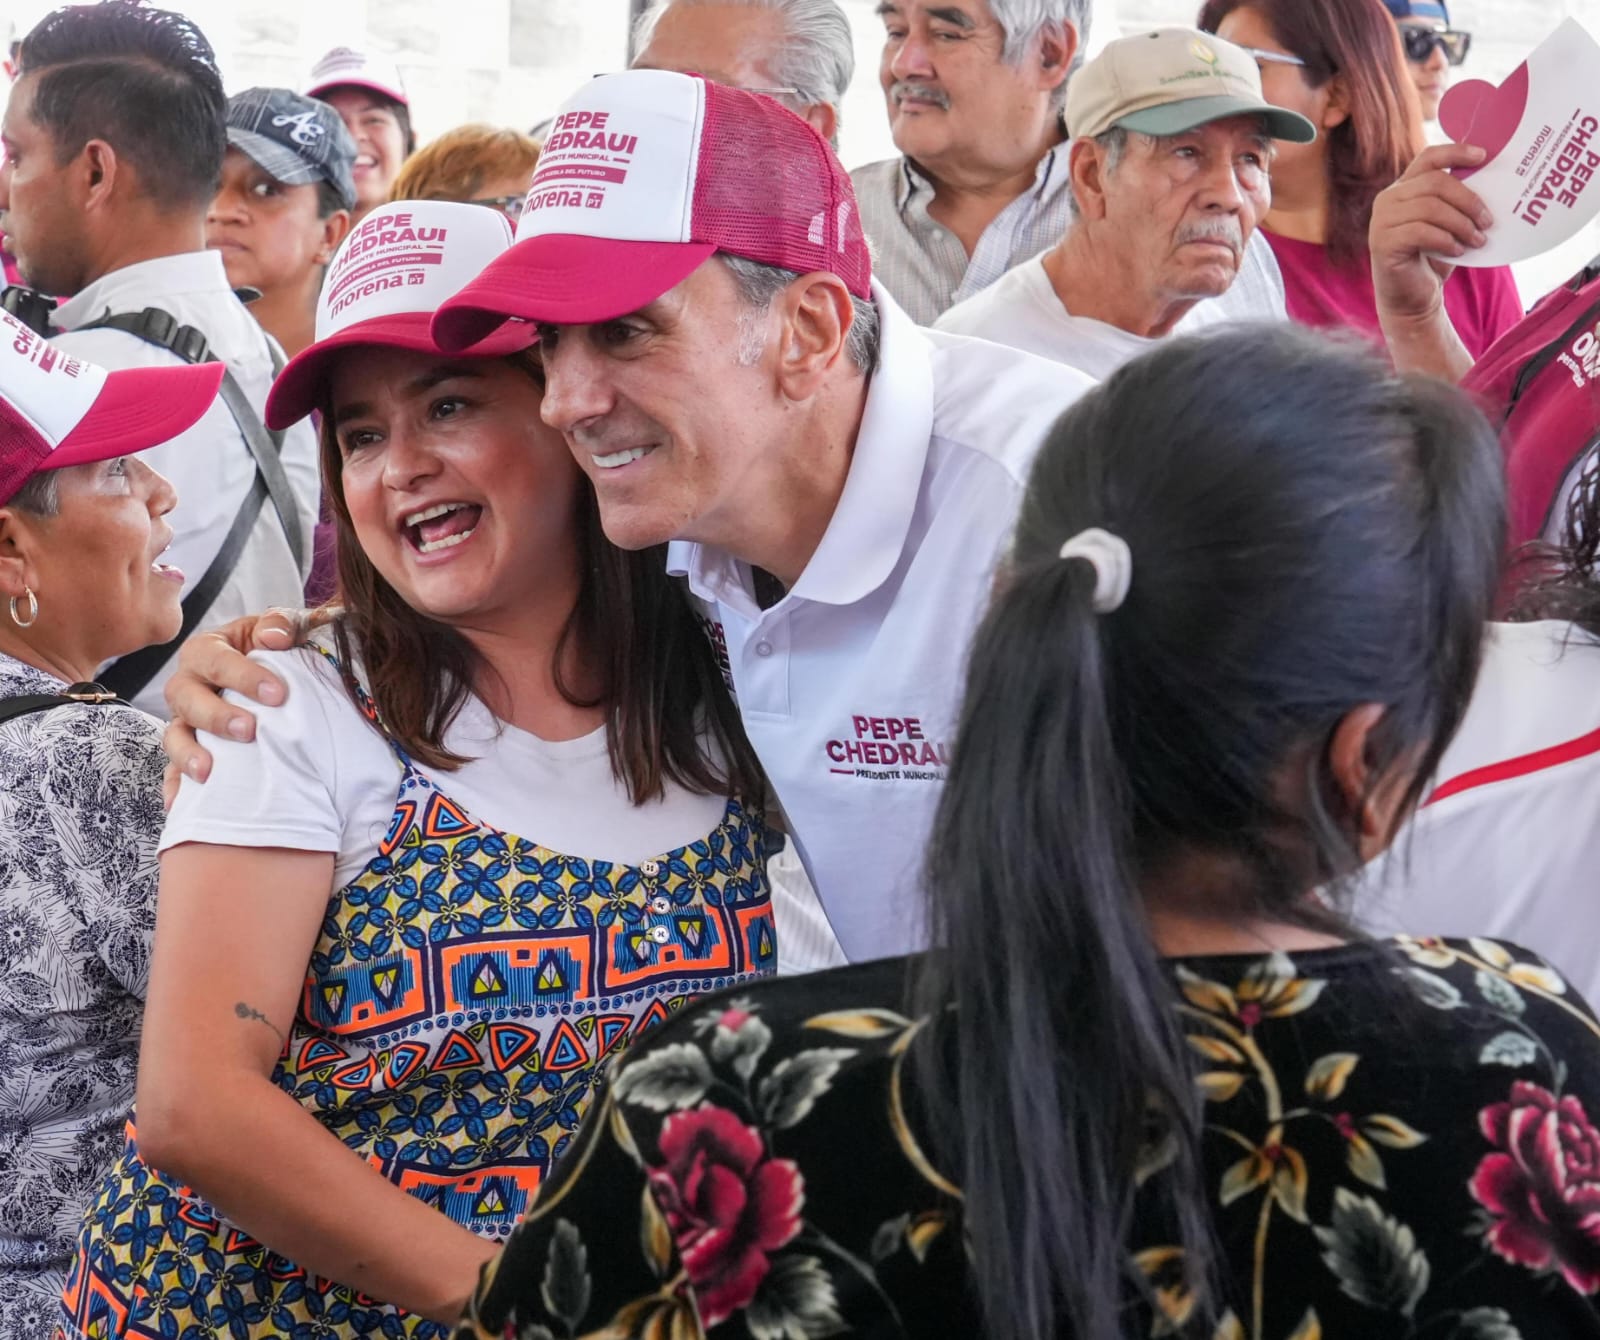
1308,533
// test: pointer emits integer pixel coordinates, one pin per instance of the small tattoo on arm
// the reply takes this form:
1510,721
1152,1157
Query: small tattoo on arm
250,1012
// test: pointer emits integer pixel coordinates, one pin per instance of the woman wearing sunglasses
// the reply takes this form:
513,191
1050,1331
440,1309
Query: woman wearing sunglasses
474,165
1432,47
1340,63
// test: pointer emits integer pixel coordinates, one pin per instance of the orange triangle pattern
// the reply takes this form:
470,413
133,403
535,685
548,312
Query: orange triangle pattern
404,1060
509,1043
457,1053
356,1076
656,1014
319,1051
405,814
443,818
565,1050
613,1029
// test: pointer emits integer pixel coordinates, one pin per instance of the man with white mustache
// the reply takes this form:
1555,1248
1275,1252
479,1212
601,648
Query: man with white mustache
975,91
1169,163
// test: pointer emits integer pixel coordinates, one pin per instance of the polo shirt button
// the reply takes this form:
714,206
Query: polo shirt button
763,648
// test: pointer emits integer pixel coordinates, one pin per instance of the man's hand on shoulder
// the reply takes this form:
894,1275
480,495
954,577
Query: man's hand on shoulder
212,662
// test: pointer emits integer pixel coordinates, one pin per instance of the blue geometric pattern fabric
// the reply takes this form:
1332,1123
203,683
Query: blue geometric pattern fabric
462,1003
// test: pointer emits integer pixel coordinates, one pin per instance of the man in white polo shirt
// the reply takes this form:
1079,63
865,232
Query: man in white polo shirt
838,483
1168,164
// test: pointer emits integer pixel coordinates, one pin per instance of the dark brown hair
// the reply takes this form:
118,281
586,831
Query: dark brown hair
1356,42
668,713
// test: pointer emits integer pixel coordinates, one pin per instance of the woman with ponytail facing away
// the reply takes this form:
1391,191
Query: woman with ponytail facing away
1152,1083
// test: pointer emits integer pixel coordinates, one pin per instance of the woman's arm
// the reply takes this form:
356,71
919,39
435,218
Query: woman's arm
1425,215
235,929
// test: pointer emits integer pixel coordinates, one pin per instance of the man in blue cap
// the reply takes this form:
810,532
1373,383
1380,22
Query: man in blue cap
1432,47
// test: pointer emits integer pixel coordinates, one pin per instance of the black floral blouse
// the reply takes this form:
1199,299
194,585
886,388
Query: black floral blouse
1401,1141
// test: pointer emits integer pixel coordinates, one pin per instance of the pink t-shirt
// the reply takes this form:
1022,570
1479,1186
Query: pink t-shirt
1483,303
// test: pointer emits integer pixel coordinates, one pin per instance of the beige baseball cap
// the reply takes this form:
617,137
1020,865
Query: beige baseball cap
1169,80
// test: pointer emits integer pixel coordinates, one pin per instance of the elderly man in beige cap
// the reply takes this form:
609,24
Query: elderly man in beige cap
1171,151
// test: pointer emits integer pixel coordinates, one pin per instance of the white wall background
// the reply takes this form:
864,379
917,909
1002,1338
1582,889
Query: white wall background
513,61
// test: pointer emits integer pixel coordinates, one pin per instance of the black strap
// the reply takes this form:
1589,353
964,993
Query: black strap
1553,350
91,694
162,329
131,674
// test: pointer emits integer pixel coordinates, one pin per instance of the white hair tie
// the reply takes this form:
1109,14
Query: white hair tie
1112,561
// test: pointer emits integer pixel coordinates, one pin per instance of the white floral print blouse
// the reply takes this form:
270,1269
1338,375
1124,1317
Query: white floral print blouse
80,816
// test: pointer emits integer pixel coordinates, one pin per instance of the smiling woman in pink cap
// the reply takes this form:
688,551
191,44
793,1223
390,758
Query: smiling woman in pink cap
492,835
368,93
83,526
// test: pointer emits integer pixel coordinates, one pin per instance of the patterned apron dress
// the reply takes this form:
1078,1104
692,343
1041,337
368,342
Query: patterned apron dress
460,1005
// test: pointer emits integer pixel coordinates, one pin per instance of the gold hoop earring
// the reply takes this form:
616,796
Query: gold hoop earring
33,609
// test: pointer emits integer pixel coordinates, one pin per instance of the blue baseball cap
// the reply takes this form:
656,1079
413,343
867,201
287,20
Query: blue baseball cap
1419,9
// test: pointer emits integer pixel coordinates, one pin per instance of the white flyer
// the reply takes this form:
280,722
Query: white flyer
1541,130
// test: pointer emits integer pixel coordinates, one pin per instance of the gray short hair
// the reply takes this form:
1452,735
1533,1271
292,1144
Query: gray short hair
759,283
40,496
1113,145
1023,20
817,57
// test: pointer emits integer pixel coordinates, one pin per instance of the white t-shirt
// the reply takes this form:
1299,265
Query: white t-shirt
850,685
210,466
1508,843
1023,311
319,778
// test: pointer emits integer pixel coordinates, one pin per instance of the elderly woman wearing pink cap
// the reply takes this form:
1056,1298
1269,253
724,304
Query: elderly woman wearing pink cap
493,833
82,531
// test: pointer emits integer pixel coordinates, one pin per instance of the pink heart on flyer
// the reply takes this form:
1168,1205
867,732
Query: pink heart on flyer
1476,112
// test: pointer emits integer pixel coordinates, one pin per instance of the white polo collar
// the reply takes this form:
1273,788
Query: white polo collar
146,283
866,535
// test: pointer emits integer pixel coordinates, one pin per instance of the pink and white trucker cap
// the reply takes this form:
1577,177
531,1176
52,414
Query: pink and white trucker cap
383,286
644,175
345,67
57,410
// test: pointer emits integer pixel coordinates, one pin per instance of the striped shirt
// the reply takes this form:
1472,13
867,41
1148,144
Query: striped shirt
923,264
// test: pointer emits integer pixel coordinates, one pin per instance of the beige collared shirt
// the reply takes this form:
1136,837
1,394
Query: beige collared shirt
927,270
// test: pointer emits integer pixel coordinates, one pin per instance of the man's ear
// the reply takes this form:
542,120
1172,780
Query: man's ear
1058,45
1086,178
824,118
817,314
98,168
335,228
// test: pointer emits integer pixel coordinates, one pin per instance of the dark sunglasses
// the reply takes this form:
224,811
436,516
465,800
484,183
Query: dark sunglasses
1420,43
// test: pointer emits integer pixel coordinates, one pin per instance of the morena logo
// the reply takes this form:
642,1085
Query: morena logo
1582,357
888,749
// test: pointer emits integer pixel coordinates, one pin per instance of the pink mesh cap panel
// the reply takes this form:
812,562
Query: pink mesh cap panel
22,451
769,188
